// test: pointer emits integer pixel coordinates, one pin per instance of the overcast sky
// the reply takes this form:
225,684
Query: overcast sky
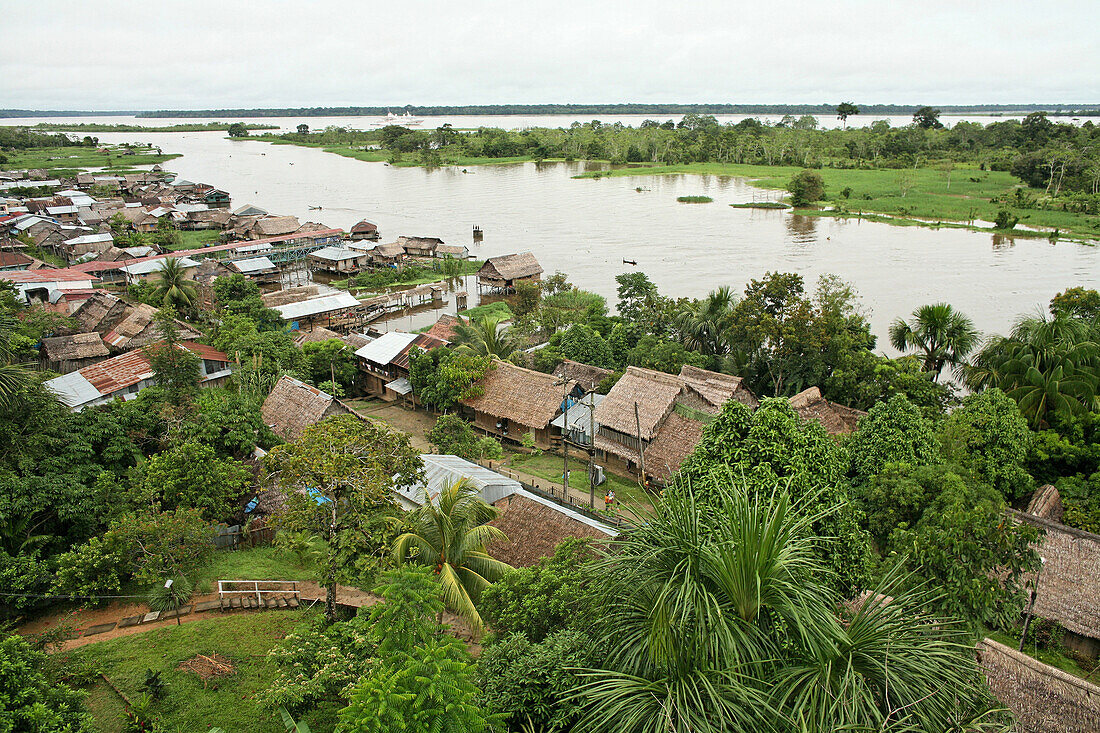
109,55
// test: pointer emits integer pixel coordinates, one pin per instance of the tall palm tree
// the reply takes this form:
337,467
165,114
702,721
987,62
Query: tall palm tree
719,619
451,534
941,334
174,288
485,337
1048,365
704,325
14,375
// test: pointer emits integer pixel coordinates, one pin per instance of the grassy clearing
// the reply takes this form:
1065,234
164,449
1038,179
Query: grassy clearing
913,194
196,239
694,199
70,160
257,563
498,309
407,160
761,205
549,466
187,704
1046,656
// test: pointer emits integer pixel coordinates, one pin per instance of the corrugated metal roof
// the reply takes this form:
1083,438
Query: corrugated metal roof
256,264
401,386
316,306
147,266
337,254
73,389
90,239
441,471
386,347
67,274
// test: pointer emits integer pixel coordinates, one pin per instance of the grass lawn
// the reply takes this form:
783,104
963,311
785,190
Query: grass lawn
549,467
196,239
69,160
912,194
408,160
257,563
1052,657
496,309
187,705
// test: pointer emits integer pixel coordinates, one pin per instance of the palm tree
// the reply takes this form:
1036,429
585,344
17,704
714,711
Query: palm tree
940,333
14,375
485,337
174,288
137,239
173,595
719,619
451,534
1048,365
704,325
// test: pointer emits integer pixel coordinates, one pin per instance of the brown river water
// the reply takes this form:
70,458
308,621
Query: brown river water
587,227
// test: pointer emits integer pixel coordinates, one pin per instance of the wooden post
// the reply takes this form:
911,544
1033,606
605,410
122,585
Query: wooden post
564,441
641,450
591,450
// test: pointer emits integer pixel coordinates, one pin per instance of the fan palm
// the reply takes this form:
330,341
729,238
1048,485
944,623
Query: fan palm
174,288
14,375
485,337
451,534
720,619
941,334
704,325
1048,365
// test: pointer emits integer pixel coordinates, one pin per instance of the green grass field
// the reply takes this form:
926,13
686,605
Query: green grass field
188,704
258,563
197,239
71,160
407,160
549,466
694,199
911,195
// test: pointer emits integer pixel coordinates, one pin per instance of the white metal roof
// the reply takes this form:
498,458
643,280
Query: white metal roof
336,254
73,389
255,264
400,386
261,247
55,210
91,239
386,347
316,306
144,268
579,413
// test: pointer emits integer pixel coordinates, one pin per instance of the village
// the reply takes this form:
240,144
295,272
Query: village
121,266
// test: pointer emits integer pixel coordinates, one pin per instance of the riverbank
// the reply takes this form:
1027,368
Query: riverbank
85,127
68,161
401,160
962,197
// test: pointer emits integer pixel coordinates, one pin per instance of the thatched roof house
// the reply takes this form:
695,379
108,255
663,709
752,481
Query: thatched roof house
293,406
586,375
138,328
273,226
536,526
364,229
503,272
516,401
836,419
1042,699
662,415
64,354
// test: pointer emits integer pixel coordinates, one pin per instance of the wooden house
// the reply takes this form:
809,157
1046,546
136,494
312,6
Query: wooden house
364,230
338,260
500,274
384,363
64,354
517,401
419,246
388,255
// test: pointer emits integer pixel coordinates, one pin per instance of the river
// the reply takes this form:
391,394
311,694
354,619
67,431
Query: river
587,227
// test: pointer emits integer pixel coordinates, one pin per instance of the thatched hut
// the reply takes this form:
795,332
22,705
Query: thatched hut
500,274
293,406
364,229
836,419
64,354
535,527
517,401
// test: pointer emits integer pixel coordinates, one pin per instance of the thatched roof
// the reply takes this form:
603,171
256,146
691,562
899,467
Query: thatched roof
1069,584
290,295
717,389
836,419
653,392
273,226
364,227
319,333
510,267
293,406
586,375
388,251
534,529
674,442
520,395
76,347
100,312
1043,699
1046,502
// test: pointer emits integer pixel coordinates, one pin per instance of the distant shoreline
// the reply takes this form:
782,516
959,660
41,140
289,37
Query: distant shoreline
1082,110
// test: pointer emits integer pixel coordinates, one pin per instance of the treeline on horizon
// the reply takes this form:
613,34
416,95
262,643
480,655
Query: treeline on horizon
569,109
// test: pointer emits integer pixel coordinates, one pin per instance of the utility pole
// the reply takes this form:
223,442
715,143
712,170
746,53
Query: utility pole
565,445
641,450
591,450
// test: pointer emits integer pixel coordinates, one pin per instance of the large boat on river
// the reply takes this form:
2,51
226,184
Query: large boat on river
405,120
